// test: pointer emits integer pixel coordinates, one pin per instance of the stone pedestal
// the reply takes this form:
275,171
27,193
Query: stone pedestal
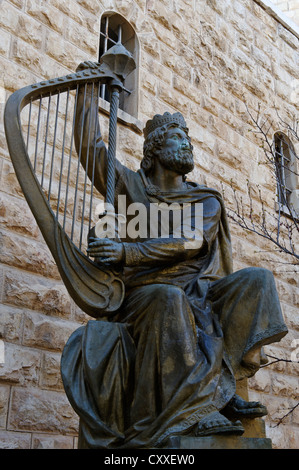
219,442
254,428
254,436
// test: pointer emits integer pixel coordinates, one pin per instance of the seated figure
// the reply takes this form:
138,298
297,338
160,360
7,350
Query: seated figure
167,362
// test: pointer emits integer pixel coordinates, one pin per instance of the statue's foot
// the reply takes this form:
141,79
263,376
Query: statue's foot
239,408
216,423
255,358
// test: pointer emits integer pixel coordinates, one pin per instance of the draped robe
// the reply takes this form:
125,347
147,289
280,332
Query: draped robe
173,352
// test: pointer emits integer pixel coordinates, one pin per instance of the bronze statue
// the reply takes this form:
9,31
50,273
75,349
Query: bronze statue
175,327
166,363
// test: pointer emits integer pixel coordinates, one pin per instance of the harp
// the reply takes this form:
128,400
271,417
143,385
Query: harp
39,126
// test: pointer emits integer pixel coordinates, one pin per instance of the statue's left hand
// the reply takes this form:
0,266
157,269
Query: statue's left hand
88,64
109,251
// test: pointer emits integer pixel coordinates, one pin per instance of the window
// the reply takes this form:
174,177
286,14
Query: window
286,174
114,28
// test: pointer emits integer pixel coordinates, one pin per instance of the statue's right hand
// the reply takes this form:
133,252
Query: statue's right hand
88,64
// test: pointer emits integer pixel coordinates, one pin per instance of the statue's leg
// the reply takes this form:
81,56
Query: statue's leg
178,366
250,315
249,311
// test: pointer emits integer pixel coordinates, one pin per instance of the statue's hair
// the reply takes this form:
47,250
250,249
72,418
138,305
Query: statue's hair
152,145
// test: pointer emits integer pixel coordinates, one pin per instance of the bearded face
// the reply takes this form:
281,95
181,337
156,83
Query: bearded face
176,151
180,161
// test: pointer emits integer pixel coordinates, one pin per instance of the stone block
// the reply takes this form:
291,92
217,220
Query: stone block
172,98
48,441
261,381
166,36
46,332
47,14
21,365
160,13
159,71
231,156
286,386
210,34
64,52
184,87
76,34
292,317
293,435
288,36
14,440
28,254
150,49
15,214
279,436
4,400
18,3
36,293
140,21
50,376
31,31
41,410
9,17
171,60
28,57
11,323
277,408
92,6
4,47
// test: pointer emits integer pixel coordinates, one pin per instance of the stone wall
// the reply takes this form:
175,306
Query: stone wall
290,8
204,58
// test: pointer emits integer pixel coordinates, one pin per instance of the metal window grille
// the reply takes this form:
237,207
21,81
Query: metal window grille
109,36
283,161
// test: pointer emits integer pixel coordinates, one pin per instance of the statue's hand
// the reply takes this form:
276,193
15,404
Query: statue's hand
109,251
88,64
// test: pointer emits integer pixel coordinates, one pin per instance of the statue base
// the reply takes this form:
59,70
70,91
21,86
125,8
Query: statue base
254,436
218,442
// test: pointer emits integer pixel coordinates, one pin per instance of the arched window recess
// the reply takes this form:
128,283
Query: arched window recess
115,28
287,177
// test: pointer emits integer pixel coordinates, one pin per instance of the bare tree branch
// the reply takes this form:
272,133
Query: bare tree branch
280,227
285,415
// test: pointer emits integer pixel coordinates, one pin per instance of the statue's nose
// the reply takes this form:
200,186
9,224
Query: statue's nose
185,144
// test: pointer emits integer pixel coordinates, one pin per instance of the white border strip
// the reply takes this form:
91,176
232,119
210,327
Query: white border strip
279,16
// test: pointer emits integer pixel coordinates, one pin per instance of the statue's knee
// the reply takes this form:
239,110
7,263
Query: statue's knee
259,276
169,293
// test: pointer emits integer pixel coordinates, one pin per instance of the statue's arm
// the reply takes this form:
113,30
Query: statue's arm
150,252
163,251
87,134
158,251
170,250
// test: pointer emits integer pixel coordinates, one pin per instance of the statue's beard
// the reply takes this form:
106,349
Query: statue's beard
180,161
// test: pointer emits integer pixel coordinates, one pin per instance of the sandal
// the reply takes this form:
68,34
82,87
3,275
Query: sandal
240,408
216,423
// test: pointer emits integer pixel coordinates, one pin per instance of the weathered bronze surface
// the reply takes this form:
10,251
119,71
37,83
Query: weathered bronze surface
166,363
176,327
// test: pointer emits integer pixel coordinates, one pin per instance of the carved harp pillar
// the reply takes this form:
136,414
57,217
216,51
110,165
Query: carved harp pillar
39,127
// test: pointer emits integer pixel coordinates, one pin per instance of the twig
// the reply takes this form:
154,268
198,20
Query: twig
287,414
277,359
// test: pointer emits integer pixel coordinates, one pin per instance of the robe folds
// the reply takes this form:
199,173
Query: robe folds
173,352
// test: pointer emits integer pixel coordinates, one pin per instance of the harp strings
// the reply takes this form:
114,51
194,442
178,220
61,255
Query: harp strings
48,125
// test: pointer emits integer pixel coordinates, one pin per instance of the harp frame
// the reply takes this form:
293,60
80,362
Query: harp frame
97,290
